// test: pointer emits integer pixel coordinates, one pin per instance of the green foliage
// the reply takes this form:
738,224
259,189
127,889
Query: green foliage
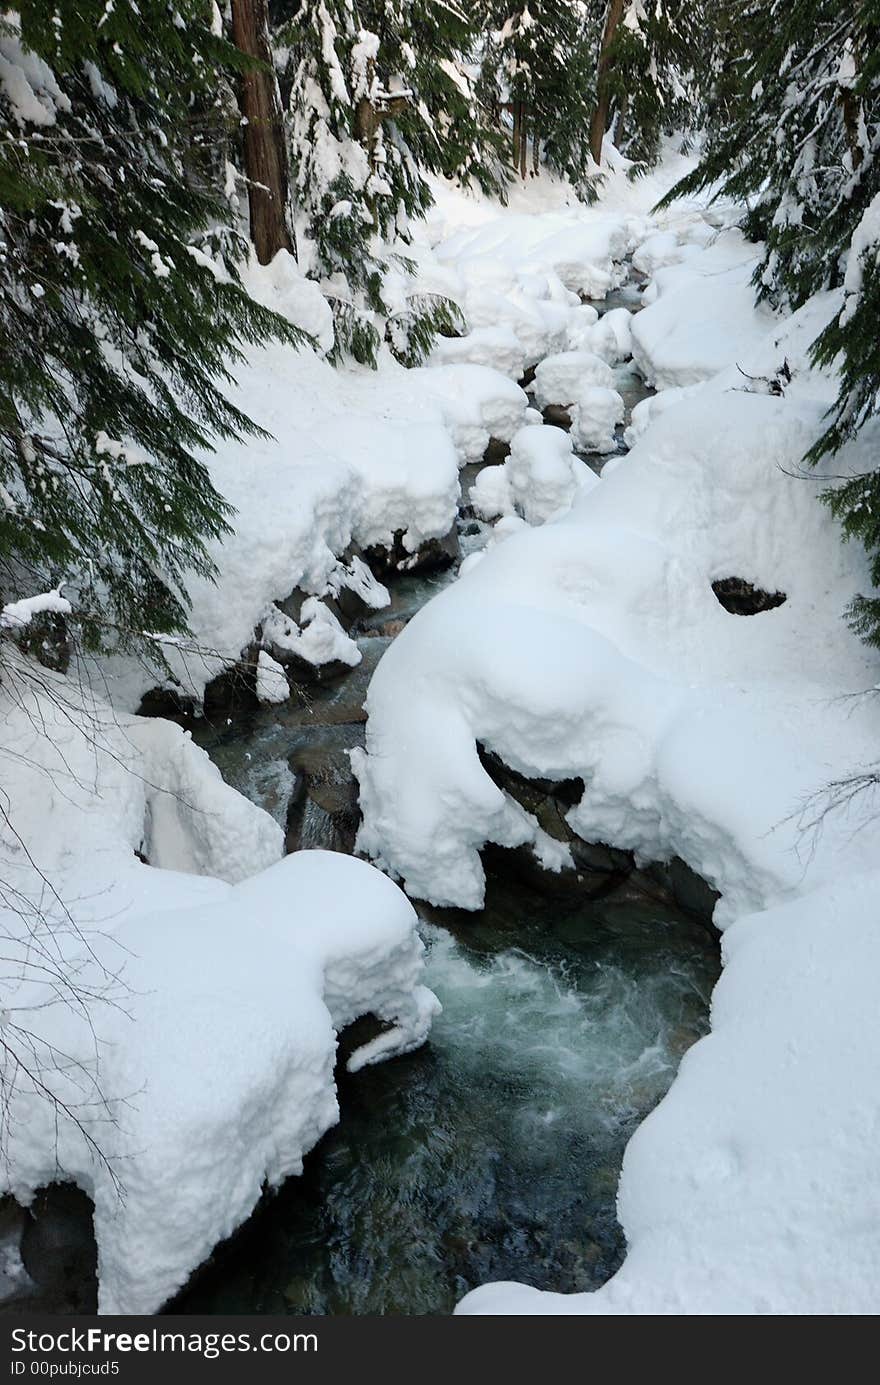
360,137
122,313
797,140
540,57
653,76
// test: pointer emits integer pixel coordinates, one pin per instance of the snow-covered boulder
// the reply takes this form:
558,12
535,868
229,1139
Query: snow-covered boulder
611,338
539,479
559,379
170,1037
477,404
594,416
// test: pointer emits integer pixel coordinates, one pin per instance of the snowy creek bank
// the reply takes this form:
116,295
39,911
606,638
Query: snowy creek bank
493,1152
567,1003
384,498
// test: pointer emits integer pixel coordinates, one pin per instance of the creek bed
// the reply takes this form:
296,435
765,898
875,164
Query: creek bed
494,1151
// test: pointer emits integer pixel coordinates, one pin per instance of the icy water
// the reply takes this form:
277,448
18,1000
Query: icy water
494,1152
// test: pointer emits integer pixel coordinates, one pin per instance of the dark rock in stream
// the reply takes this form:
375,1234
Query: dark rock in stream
558,416
599,870
434,555
496,452
324,808
58,1250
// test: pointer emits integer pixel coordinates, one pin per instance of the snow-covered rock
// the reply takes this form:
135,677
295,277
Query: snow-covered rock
539,479
611,338
170,1036
594,416
560,378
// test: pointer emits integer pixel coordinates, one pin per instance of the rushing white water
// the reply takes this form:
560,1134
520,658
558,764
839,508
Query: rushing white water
493,1152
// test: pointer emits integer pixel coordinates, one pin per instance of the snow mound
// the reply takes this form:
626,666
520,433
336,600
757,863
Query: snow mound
594,417
702,316
477,404
497,347
539,479
594,646
611,338
179,1030
559,378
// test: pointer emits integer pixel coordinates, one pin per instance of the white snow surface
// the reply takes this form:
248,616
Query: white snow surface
183,1013
539,479
592,645
584,640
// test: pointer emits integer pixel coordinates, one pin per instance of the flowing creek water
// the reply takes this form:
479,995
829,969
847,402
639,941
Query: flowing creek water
494,1152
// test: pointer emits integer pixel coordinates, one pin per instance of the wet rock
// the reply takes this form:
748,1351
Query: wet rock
58,1248
434,555
168,703
232,691
557,415
741,598
386,629
235,689
496,452
528,378
47,639
690,891
531,793
324,808
598,870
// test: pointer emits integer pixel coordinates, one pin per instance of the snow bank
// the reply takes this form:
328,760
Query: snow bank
701,315
594,646
184,1024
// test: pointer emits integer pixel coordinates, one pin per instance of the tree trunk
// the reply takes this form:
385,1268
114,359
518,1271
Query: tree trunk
599,121
523,141
536,150
620,122
265,155
517,131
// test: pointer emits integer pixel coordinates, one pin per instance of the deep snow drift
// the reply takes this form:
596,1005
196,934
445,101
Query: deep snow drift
594,645
175,1032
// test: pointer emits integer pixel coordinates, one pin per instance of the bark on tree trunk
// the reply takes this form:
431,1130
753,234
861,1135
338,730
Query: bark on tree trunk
523,142
620,122
265,155
517,131
599,121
